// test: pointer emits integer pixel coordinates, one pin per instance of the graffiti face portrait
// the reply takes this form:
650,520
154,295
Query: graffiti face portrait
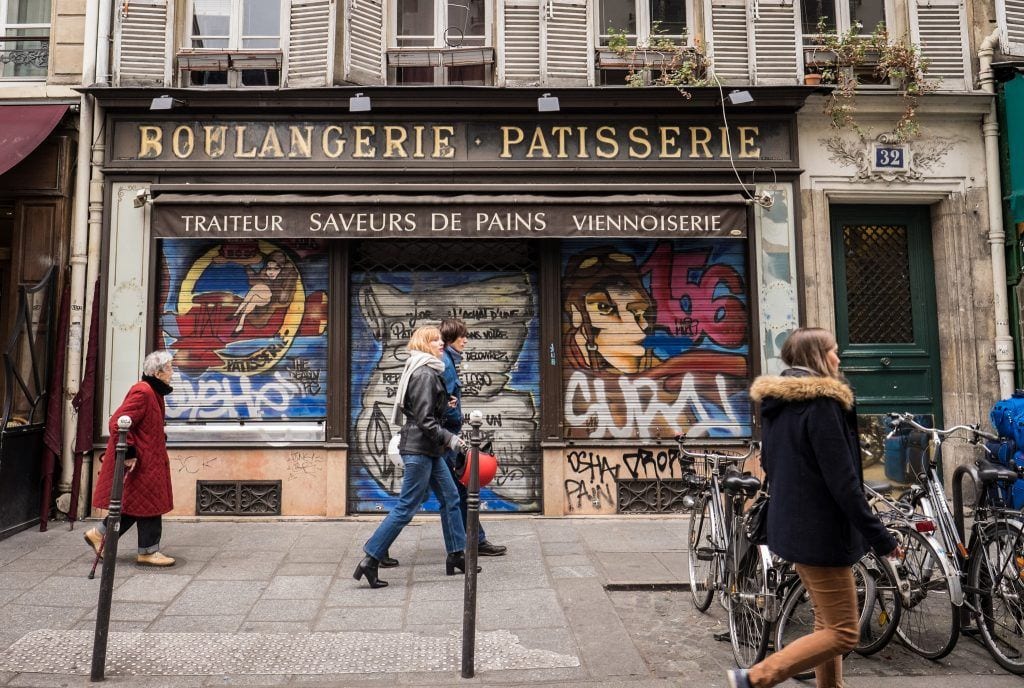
610,311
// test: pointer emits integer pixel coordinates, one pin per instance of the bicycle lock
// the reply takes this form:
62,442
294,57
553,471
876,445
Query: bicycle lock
99,644
472,536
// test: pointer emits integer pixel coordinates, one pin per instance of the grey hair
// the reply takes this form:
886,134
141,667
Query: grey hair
155,361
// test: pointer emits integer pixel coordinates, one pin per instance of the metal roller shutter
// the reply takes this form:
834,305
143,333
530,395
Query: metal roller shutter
247,324
656,339
492,286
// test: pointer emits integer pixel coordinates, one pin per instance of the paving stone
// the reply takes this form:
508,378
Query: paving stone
21,618
206,624
206,598
290,627
204,654
237,566
559,548
197,553
162,587
284,610
347,592
297,587
676,563
18,580
573,572
306,569
129,611
605,647
517,609
567,560
630,567
361,619
302,555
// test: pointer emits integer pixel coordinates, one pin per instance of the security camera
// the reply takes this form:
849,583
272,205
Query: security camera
765,199
141,198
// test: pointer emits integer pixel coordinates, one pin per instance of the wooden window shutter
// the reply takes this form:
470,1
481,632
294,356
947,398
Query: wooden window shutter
726,29
364,42
142,44
568,57
310,55
1011,25
776,29
520,59
939,27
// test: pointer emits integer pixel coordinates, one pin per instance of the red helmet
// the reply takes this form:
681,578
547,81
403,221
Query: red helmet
488,469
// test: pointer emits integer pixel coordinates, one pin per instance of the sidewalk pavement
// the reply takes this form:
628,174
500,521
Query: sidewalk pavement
576,602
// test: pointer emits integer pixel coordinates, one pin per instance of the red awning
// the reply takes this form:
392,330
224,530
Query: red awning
23,128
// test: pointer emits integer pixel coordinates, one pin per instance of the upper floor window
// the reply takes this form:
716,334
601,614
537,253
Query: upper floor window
24,39
440,42
233,43
642,20
841,15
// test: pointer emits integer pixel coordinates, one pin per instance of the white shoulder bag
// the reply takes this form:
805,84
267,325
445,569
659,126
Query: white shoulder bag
393,454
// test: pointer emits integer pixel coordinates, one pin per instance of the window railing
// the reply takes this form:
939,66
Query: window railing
24,56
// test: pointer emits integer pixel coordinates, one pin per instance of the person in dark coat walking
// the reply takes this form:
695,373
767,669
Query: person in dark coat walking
147,482
818,518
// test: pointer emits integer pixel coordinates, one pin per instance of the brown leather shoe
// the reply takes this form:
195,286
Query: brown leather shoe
94,539
154,559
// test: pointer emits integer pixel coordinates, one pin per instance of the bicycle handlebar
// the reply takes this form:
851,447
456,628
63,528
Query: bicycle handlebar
710,455
899,419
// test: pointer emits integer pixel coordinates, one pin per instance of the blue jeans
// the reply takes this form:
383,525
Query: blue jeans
421,473
449,458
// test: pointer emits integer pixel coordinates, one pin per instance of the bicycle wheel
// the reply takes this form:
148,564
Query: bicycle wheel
796,619
928,625
996,581
703,560
748,627
879,598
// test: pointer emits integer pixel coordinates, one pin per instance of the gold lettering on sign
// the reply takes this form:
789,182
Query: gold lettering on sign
417,151
394,138
510,136
271,145
746,140
333,141
215,140
442,144
581,143
702,141
538,143
726,150
302,143
361,145
183,148
150,145
668,138
635,137
240,143
607,135
561,133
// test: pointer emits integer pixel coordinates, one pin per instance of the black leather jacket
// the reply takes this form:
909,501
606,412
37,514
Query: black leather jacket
425,402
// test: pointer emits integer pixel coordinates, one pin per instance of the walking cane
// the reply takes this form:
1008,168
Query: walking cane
99,646
99,555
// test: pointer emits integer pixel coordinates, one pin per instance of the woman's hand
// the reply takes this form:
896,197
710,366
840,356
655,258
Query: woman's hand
129,464
452,402
897,553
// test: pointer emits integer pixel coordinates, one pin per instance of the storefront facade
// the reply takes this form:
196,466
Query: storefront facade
619,285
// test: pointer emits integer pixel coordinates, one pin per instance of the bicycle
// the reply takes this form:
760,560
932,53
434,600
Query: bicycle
721,559
987,574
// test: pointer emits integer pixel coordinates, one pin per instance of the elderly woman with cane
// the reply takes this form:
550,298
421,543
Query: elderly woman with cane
147,483
419,408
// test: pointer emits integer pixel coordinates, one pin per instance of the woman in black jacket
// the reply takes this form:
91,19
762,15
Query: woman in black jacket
818,518
420,404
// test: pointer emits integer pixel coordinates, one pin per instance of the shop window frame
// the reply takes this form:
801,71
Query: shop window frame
449,49
612,68
816,58
236,65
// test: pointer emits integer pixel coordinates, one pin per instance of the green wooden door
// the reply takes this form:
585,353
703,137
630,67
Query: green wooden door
885,313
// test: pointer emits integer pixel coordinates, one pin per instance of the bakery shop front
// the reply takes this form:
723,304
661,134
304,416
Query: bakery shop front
623,271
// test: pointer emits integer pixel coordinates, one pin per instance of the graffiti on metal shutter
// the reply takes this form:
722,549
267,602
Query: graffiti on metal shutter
655,339
247,324
498,373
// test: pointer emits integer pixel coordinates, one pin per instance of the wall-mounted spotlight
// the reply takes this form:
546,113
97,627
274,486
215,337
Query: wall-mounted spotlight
165,103
548,103
738,97
141,198
359,103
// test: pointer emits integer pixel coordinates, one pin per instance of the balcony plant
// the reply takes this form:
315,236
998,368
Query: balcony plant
661,62
845,58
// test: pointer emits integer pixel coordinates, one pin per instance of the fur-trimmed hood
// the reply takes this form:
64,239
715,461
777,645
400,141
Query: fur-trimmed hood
792,388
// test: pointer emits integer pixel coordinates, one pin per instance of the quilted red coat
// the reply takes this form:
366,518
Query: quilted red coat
147,489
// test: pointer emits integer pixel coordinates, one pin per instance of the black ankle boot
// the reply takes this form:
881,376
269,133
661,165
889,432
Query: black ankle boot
368,567
388,562
456,560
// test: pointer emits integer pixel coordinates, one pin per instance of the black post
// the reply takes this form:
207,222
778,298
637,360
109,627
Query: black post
99,644
472,537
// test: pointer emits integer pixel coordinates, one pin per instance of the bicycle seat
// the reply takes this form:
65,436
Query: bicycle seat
879,486
737,483
989,472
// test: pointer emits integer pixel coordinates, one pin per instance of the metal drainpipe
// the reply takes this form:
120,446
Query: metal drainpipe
79,253
996,233
95,211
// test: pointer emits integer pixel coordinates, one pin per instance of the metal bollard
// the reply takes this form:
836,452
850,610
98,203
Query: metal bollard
472,536
99,644
965,612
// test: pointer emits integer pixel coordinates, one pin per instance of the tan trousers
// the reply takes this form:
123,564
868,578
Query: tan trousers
836,631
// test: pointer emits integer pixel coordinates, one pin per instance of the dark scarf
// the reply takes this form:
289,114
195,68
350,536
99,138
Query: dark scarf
158,385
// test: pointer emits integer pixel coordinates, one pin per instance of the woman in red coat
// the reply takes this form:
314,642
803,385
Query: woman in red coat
147,482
